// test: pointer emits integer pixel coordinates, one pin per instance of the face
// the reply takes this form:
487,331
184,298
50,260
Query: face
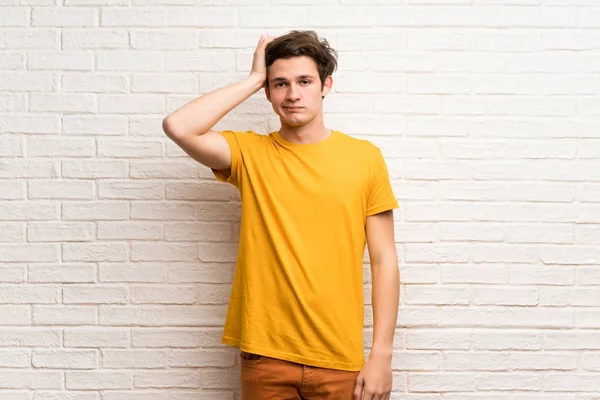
295,90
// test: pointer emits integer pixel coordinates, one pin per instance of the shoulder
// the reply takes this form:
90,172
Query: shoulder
362,148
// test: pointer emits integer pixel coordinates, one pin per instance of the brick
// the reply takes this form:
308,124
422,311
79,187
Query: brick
12,232
95,211
212,17
94,252
131,315
94,83
28,168
130,148
99,380
167,379
67,61
94,125
32,380
29,38
63,273
142,359
60,232
82,103
79,169
94,39
68,190
123,60
131,190
130,103
11,145
67,17
64,315
130,231
65,359
40,146
105,337
151,294
29,253
125,17
163,170
94,294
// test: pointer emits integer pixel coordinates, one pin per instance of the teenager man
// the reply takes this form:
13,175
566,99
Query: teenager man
311,198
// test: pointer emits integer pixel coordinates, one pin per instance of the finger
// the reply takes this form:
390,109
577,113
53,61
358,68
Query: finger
358,388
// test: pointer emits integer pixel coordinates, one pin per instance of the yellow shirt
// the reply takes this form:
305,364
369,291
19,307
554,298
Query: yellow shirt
297,292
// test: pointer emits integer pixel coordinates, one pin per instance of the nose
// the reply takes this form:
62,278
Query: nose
293,93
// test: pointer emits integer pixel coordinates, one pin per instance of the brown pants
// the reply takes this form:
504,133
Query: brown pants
265,378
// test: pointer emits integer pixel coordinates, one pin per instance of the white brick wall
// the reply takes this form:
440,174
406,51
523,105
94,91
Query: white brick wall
117,250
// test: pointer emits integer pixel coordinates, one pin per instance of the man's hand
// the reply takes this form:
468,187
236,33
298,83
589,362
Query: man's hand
375,379
258,63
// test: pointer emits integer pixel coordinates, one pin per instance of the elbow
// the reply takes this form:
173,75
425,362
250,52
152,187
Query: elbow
169,127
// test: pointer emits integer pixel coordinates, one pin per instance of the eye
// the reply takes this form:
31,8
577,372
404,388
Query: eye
305,82
280,84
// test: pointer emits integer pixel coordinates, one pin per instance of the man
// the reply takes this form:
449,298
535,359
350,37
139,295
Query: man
311,198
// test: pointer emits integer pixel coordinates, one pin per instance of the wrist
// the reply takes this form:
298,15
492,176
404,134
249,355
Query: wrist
258,80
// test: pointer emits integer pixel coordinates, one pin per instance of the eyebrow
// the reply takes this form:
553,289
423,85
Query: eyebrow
280,78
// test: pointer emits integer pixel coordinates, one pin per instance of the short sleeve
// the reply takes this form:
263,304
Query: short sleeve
380,195
231,175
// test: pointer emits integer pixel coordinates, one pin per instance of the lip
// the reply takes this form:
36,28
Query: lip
293,108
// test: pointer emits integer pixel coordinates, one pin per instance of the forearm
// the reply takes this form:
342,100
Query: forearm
200,115
385,279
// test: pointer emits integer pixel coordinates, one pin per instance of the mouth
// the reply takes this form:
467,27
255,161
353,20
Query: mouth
293,108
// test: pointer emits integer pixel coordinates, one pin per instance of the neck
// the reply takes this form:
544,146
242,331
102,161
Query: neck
312,132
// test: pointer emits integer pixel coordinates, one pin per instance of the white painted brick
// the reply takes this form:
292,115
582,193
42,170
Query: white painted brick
105,337
15,315
65,359
64,315
164,252
164,170
206,61
206,273
556,382
130,149
476,361
94,83
130,230
130,103
173,83
139,272
32,294
98,380
131,190
167,379
588,275
353,16
539,317
14,16
68,61
143,359
507,339
44,146
171,338
127,17
441,382
147,126
96,211
13,274
67,17
84,103
12,232
163,294
28,253
60,232
94,39
131,315
214,294
435,295
541,275
539,233
11,145
181,39
202,16
28,168
172,210
489,295
123,60
61,189
210,315
410,316
94,294
63,273
32,380
436,253
30,38
471,232
197,231
202,358
508,381
542,362
31,210
94,252
587,318
93,169
273,17
64,395
212,191
15,358
91,125
438,212
30,337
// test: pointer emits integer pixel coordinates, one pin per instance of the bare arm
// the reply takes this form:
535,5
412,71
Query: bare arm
190,125
386,280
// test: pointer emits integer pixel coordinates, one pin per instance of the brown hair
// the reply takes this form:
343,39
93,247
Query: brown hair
303,43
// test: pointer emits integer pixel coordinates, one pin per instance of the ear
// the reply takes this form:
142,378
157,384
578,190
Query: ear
327,86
